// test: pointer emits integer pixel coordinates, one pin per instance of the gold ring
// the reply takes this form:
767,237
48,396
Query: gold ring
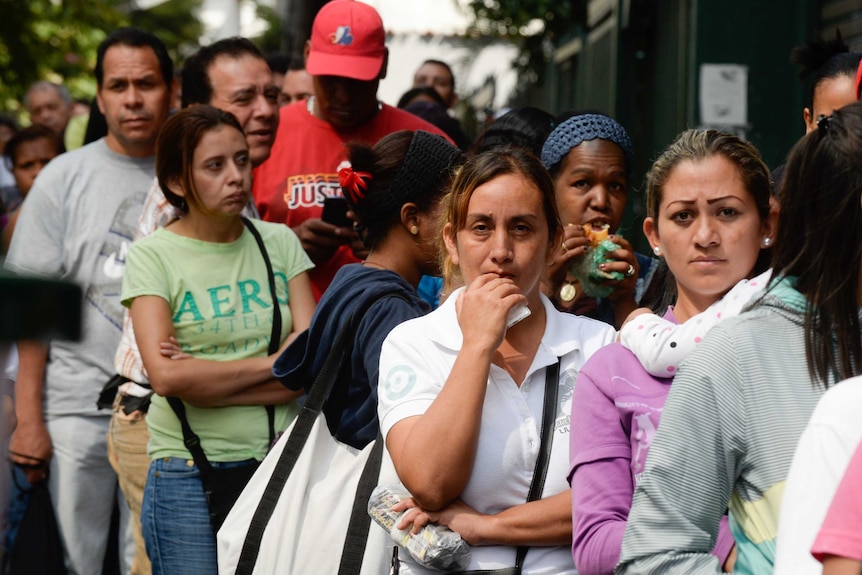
565,249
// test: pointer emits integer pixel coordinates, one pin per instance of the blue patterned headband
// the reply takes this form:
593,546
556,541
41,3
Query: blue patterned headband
579,129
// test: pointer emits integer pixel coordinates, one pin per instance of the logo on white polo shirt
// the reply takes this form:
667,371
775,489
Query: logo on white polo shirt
399,382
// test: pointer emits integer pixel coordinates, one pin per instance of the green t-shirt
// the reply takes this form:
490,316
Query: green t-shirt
222,310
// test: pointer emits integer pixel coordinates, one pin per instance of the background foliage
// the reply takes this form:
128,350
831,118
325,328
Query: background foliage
270,41
56,40
532,24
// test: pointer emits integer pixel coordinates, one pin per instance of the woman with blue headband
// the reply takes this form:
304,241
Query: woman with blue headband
595,272
394,189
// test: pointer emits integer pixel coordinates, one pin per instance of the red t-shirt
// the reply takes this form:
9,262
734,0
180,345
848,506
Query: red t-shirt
303,170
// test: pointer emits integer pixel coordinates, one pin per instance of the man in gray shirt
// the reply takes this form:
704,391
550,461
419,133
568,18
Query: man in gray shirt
76,225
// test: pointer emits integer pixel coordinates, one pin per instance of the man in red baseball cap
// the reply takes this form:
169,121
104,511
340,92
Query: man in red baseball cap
346,57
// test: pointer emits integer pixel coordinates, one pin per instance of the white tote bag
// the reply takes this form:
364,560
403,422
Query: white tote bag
306,533
304,512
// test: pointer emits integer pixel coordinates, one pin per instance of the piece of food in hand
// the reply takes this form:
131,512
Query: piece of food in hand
586,268
596,234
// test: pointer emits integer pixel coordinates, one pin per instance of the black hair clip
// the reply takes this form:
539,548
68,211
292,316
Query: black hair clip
823,125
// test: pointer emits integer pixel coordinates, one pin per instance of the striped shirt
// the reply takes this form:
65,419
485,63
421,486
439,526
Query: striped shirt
729,429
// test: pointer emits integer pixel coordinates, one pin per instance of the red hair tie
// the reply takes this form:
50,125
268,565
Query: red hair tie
354,183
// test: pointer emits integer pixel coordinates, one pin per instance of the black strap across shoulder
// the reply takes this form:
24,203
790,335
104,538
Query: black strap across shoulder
354,547
275,336
190,438
276,310
540,472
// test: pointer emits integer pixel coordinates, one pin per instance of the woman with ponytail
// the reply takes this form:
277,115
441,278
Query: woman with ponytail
741,401
393,190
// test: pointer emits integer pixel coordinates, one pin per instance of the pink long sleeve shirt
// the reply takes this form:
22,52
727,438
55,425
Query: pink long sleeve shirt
616,409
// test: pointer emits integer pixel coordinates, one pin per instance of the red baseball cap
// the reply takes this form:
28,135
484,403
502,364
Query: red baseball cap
347,40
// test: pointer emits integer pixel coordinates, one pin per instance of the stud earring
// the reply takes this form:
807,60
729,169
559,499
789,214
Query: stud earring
766,242
656,250
414,230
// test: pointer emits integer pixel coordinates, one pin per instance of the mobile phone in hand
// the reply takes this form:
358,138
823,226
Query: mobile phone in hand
335,212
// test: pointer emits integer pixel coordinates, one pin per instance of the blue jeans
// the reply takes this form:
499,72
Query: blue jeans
175,518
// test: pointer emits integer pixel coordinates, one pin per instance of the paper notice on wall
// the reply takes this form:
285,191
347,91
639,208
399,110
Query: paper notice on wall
724,94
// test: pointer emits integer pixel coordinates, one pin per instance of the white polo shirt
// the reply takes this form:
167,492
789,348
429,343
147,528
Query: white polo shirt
415,362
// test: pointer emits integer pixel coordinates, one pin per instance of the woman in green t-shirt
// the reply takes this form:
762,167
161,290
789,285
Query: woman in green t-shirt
201,299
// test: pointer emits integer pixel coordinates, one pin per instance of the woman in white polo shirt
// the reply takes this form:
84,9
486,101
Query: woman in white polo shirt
461,396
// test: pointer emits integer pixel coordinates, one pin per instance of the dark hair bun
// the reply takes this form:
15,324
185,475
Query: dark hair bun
362,157
813,55
402,167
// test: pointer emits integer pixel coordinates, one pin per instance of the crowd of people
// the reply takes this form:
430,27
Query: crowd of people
562,402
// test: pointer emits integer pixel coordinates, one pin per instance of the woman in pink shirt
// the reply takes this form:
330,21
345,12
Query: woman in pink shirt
710,219
839,544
